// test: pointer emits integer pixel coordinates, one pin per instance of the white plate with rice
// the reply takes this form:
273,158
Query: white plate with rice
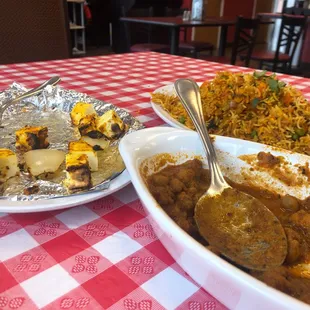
256,107
164,115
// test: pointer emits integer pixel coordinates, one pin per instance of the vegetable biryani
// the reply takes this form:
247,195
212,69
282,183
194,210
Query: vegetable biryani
256,107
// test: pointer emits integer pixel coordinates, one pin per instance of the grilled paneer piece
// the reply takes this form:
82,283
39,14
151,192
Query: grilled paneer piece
81,110
83,148
88,126
8,165
31,138
110,124
78,176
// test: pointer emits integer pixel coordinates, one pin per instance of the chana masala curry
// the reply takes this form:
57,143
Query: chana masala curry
177,189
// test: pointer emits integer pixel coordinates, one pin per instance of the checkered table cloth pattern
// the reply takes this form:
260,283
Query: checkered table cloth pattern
102,255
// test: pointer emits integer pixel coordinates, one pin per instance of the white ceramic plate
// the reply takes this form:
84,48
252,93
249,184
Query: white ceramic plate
161,113
231,286
62,203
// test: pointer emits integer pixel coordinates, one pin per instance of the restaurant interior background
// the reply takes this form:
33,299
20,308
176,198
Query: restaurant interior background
67,242
94,28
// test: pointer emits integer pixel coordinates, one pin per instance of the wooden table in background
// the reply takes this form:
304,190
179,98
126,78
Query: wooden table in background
176,23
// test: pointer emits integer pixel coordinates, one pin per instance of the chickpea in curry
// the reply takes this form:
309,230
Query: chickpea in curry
177,189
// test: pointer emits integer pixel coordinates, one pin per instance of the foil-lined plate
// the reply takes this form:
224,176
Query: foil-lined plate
52,108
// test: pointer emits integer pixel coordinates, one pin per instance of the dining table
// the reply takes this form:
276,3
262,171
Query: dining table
175,24
103,254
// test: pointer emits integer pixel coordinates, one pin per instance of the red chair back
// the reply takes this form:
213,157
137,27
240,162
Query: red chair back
292,27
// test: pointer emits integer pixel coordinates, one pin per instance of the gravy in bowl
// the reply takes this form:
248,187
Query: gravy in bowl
177,189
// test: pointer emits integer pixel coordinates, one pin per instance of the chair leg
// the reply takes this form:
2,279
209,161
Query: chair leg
288,67
185,34
274,67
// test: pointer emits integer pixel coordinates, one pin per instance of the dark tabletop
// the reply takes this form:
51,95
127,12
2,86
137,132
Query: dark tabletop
270,15
178,21
274,15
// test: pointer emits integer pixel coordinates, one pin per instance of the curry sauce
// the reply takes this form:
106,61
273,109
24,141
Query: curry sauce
177,188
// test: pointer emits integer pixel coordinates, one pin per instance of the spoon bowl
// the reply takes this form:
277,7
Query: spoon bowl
240,226
242,229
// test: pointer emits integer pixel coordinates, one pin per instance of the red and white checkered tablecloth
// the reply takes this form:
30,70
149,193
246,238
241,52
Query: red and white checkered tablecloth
102,255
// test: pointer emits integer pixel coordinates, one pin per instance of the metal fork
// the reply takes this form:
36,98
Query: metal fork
52,81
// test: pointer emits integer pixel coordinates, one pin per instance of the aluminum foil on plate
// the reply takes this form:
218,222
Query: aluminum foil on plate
52,108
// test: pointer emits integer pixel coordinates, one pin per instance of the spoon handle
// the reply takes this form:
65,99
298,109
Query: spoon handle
189,94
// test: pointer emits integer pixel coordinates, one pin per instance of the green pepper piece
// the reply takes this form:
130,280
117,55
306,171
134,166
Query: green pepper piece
300,132
182,119
259,74
295,137
254,134
281,84
255,102
273,84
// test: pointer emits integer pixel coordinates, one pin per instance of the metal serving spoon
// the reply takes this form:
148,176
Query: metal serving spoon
52,81
241,227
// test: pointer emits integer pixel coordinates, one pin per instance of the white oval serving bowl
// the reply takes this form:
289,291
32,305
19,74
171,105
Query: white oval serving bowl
230,285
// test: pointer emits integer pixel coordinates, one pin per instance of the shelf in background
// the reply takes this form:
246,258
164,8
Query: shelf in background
77,26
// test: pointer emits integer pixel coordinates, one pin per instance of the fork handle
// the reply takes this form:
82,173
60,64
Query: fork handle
52,81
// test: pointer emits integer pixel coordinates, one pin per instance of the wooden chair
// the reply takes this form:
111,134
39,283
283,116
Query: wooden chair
34,30
142,33
189,47
292,27
244,41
